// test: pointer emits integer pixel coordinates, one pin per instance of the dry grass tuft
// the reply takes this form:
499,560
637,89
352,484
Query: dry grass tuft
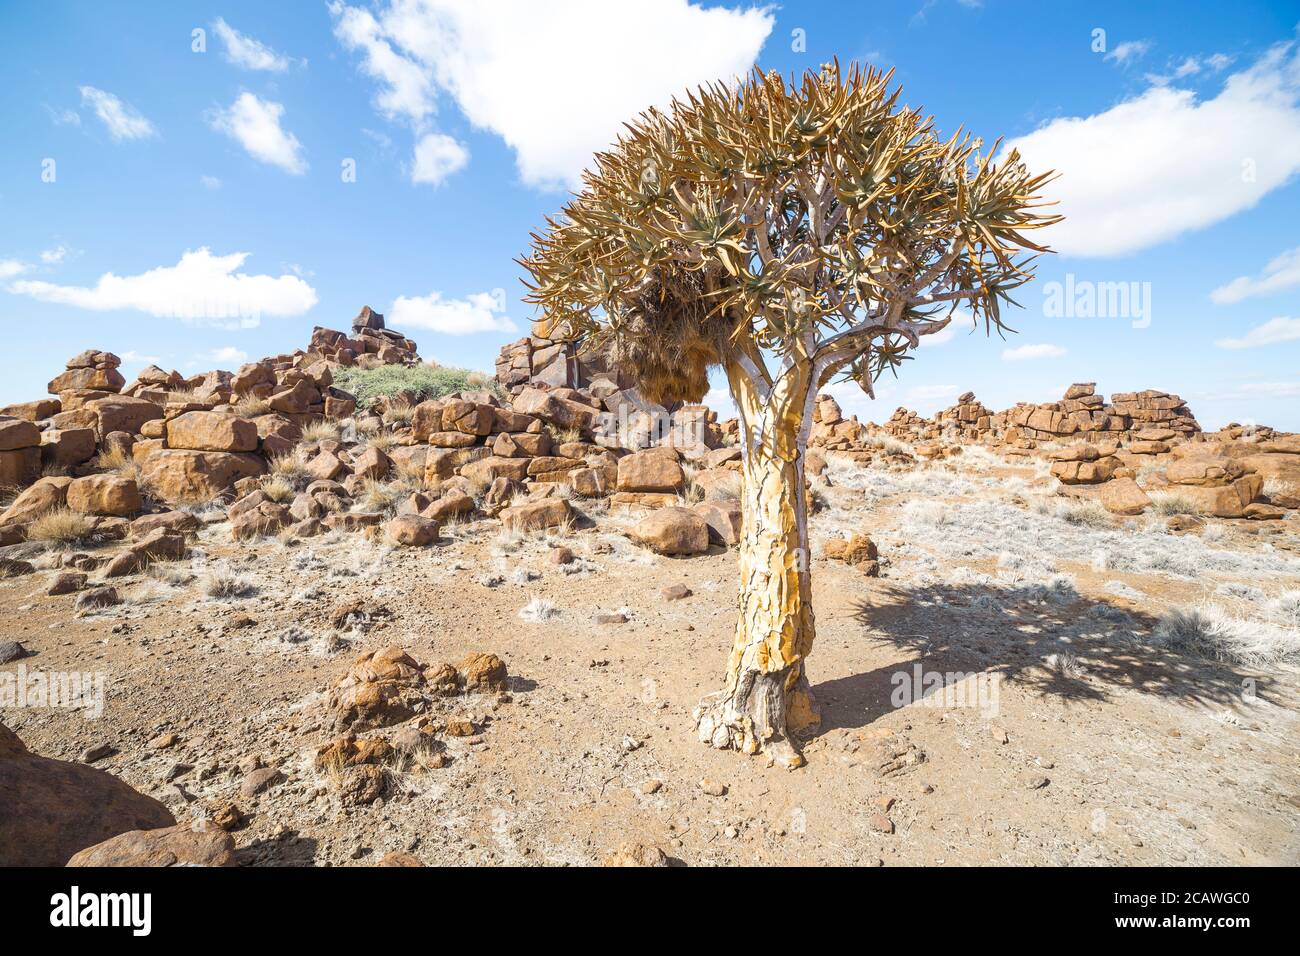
60,526
278,488
320,430
1173,503
250,406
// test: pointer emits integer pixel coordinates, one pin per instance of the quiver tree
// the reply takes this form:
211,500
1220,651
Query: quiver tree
787,235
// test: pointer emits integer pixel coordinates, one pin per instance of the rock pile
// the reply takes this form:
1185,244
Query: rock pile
833,432
967,421
1083,415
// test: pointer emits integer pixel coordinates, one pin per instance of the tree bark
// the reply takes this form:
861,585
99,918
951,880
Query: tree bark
766,701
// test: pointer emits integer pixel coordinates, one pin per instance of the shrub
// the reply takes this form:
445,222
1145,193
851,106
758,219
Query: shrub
1214,632
423,381
60,526
1173,503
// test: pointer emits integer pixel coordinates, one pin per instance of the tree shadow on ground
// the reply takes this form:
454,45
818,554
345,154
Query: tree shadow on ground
1047,639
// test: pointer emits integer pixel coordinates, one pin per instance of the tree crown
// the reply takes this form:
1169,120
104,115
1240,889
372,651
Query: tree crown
821,223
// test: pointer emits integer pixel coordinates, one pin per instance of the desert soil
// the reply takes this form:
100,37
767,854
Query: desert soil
1104,748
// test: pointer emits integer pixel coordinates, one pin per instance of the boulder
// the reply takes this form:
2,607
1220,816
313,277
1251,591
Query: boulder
412,530
483,673
261,519
211,431
381,688
45,495
106,494
19,467
673,531
855,550
723,517
182,845
1123,496
122,413
1224,501
652,471
33,411
196,477
372,463
67,447
537,515
158,545
17,433
54,808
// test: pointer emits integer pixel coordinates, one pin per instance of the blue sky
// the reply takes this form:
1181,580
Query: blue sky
314,157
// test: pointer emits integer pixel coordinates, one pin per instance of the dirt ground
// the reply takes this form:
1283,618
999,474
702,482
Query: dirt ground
1102,746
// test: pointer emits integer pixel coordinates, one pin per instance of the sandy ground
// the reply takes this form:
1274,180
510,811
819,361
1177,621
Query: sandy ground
1100,746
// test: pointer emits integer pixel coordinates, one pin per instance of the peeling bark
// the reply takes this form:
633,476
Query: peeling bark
766,701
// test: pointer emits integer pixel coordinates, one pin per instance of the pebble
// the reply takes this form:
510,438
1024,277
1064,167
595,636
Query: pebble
97,752
713,788
880,823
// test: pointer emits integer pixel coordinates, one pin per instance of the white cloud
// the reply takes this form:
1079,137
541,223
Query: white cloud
437,157
255,124
132,357
1128,50
1272,389
408,88
53,256
202,289
209,182
1272,332
556,80
1281,273
64,117
11,267
122,120
228,355
248,53
1163,163
479,312
1025,353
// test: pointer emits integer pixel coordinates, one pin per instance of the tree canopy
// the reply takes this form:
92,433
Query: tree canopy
817,223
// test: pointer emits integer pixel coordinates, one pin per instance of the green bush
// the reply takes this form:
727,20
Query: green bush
425,381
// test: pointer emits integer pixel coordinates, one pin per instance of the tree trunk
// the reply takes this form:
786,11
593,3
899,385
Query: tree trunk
767,700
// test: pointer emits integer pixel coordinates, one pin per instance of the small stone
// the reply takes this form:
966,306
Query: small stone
885,803
561,555
66,582
1037,783
259,781
999,734
675,593
880,823
651,786
611,617
163,741
11,651
97,752
460,727
713,788
228,817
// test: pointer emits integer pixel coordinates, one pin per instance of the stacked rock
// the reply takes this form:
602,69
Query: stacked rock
89,376
533,360
833,432
1084,415
966,421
